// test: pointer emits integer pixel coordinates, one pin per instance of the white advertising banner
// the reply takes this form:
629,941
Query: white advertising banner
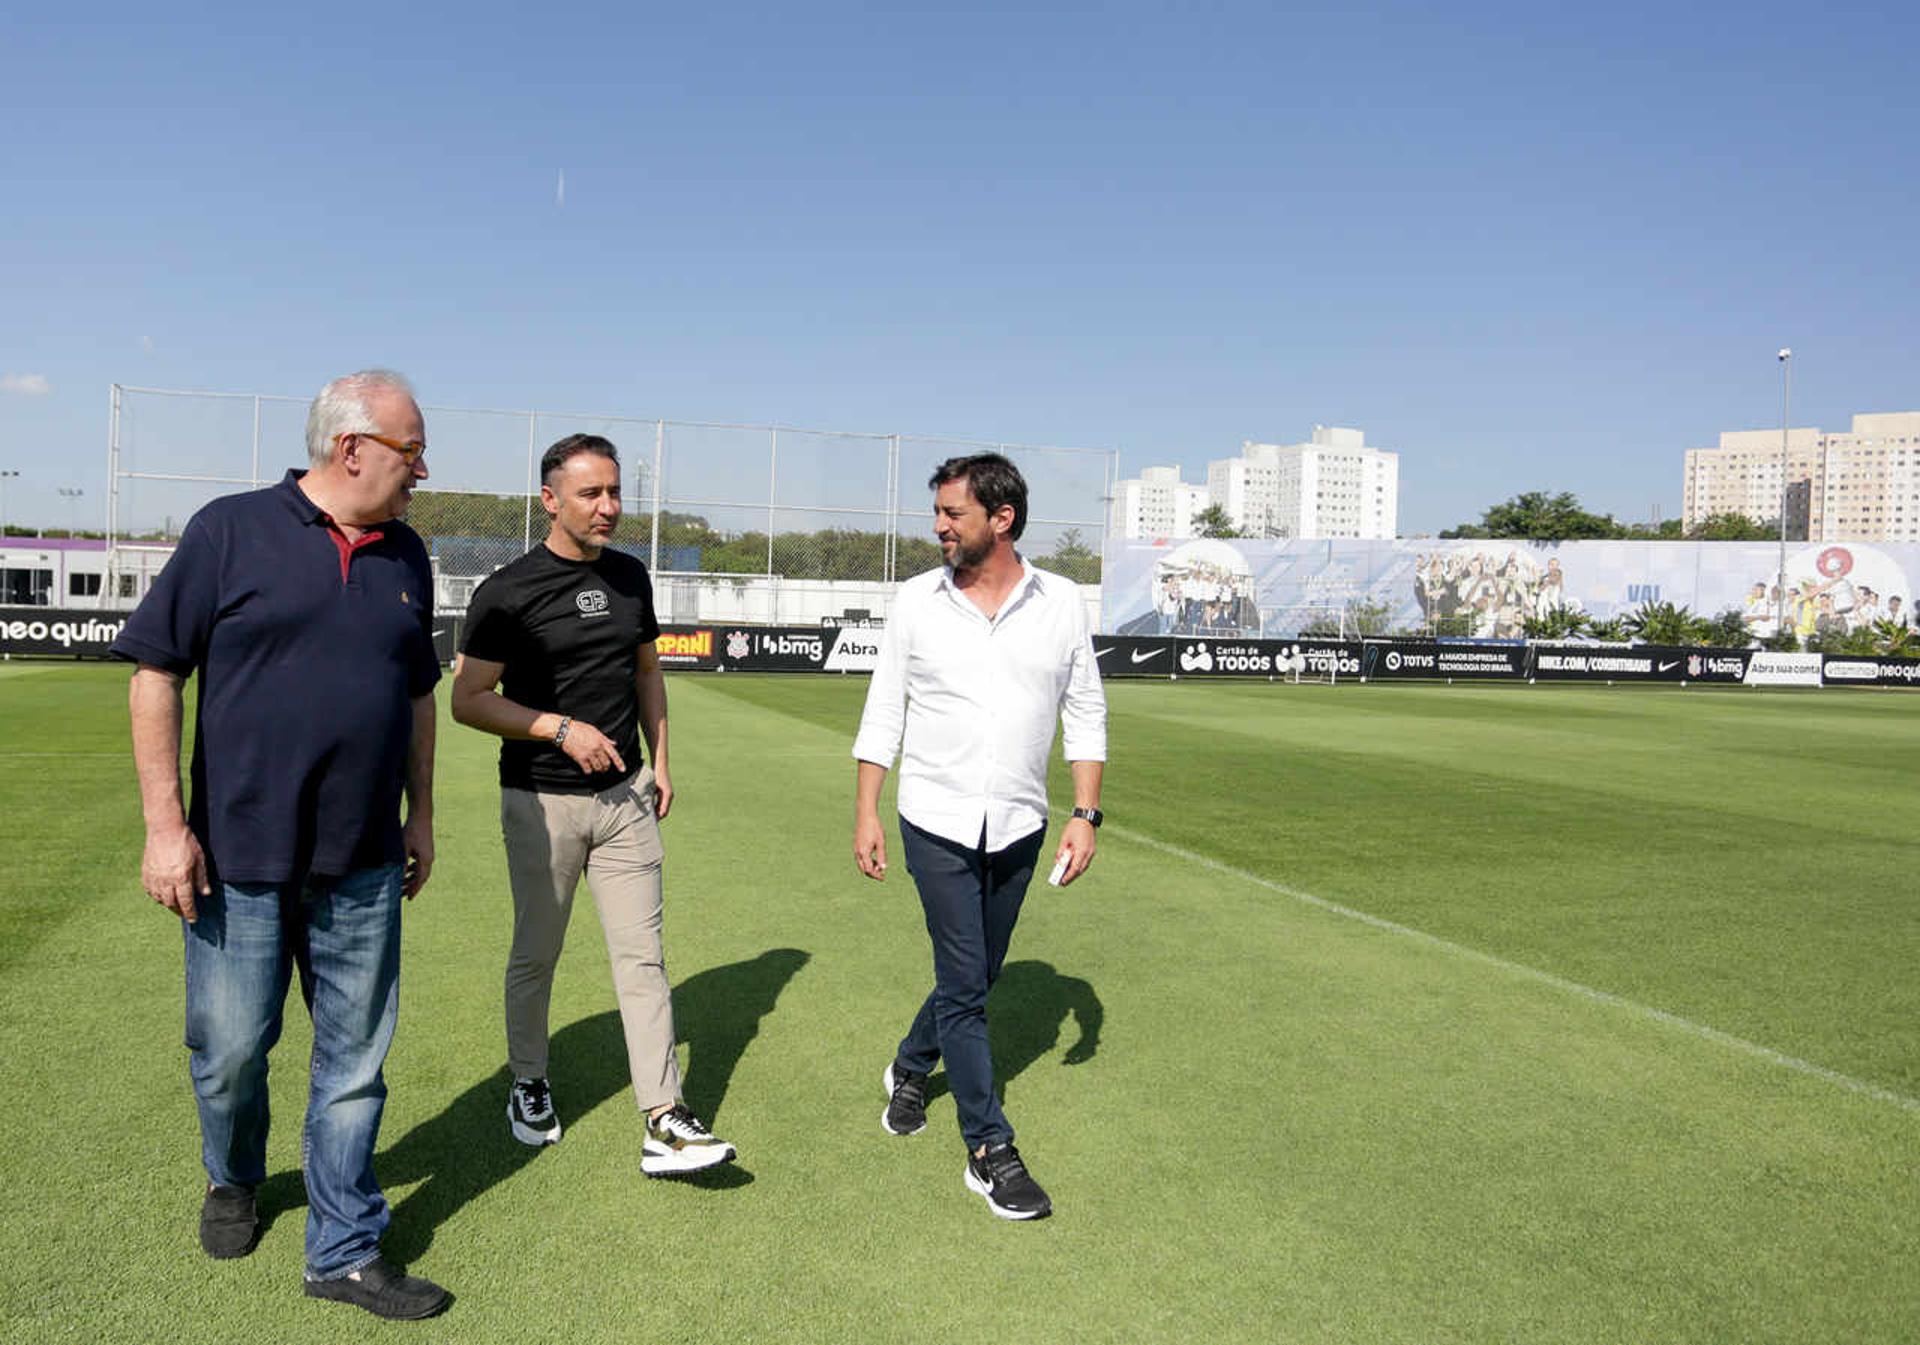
1784,670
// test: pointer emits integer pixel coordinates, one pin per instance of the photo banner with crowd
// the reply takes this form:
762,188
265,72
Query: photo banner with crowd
1481,589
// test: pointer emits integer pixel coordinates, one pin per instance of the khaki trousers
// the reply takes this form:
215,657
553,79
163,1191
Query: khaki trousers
611,836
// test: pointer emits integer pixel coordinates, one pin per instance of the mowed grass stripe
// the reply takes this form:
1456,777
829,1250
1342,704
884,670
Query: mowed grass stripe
1452,949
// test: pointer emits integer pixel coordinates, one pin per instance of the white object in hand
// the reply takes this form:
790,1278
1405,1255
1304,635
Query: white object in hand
1060,867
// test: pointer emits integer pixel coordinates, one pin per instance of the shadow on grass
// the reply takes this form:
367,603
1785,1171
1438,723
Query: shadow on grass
467,1150
1029,1005
1031,1002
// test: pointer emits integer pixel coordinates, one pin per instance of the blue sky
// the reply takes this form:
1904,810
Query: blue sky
1528,246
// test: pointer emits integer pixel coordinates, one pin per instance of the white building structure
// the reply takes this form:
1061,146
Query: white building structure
1861,484
1334,485
1157,503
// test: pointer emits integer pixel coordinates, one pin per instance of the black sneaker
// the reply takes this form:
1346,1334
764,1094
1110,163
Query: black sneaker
229,1223
530,1113
906,1112
1002,1178
678,1141
382,1290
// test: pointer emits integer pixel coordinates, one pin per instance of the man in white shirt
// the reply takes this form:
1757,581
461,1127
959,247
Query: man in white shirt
979,660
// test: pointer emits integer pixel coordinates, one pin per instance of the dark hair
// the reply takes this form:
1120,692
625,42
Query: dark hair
994,481
556,457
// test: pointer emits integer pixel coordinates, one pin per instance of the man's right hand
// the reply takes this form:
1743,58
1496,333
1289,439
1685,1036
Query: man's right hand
174,871
592,751
870,847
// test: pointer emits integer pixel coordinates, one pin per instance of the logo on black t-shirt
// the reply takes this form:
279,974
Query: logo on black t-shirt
591,602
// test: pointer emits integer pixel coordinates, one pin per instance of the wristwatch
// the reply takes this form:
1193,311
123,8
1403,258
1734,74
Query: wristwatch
1091,815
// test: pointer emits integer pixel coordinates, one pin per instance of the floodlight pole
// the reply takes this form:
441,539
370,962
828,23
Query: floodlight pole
1786,404
5,477
71,494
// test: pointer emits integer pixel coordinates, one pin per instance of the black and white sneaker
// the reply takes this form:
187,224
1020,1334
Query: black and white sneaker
530,1113
1002,1179
906,1112
677,1141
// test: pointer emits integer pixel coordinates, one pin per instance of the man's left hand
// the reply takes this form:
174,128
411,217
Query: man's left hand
1077,839
418,837
662,794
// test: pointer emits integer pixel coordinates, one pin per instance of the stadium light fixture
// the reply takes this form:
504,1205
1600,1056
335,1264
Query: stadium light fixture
1786,403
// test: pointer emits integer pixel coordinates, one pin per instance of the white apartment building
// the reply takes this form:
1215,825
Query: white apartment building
1332,486
1859,485
1157,503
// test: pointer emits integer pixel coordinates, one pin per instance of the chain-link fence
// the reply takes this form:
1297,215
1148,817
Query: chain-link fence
737,522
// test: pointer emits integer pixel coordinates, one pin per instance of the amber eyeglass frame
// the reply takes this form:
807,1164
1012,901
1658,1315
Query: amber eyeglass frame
412,451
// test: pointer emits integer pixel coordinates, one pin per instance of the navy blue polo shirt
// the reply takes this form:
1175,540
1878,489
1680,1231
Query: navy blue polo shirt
309,652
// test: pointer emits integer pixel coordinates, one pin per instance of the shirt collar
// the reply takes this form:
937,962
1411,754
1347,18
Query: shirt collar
1028,575
313,515
296,499
1028,581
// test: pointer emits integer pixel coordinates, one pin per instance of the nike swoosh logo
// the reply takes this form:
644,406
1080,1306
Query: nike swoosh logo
1102,653
1669,667
1141,656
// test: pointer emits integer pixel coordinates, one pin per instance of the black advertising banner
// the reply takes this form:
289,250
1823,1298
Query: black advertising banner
1170,656
722,648
54,630
1711,665
446,637
718,647
1432,661
1592,664
1134,655
1641,663
1869,670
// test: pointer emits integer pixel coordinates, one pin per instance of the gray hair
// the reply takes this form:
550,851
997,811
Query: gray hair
341,408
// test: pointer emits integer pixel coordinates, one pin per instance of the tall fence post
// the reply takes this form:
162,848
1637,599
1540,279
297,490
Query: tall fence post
526,508
890,565
659,452
113,491
773,475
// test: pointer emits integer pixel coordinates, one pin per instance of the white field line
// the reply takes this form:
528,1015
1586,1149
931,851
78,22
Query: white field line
1547,978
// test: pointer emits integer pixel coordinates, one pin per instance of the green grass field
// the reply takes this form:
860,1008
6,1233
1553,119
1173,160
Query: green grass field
1388,1013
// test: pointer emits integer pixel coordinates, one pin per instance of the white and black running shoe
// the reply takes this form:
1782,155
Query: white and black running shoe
678,1141
530,1112
906,1112
1001,1178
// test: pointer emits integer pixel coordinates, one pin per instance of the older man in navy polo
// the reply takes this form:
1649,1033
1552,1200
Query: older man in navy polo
306,611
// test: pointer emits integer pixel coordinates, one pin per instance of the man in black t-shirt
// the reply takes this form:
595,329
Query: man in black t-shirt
558,659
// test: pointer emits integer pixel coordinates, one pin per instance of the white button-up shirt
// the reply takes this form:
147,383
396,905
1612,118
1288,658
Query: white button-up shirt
969,704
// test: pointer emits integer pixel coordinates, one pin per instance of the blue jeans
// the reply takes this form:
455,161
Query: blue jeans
344,936
971,898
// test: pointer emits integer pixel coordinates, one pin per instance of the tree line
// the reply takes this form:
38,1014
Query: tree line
693,543
1538,516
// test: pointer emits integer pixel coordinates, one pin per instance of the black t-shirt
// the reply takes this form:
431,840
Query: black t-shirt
568,632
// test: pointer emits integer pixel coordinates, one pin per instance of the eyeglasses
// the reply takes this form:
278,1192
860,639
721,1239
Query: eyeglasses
409,451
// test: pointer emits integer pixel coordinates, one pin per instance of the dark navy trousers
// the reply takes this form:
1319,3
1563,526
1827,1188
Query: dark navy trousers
971,898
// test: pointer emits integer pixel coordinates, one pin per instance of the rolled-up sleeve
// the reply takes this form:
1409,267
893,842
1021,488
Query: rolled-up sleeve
884,718
1083,705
